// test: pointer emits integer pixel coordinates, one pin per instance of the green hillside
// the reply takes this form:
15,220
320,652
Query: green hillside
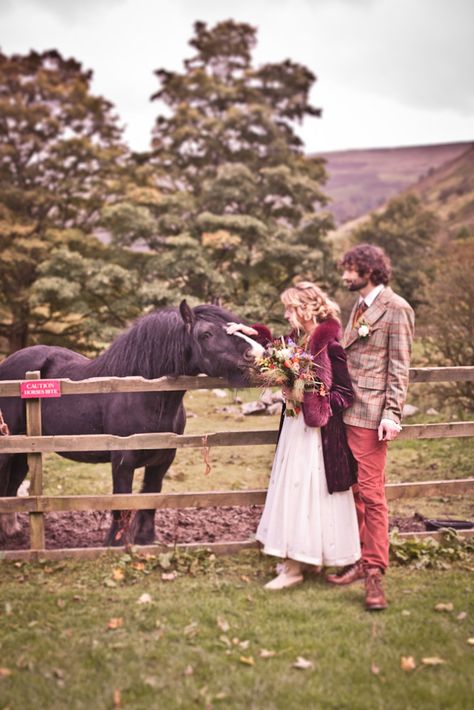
363,180
448,190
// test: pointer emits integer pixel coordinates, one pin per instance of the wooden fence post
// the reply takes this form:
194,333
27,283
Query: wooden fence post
35,466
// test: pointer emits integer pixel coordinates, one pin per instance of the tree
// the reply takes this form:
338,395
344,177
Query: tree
60,152
449,316
407,232
238,214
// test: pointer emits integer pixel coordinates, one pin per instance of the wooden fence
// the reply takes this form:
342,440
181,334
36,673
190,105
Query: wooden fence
36,445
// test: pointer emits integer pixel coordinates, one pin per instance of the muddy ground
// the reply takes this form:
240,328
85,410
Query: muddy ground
88,529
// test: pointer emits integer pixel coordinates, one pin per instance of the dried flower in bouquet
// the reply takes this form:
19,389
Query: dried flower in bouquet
287,364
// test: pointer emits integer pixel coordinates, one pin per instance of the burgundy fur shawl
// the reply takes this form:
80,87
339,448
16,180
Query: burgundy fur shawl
317,408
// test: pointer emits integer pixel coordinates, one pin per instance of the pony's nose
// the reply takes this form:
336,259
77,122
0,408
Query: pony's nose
255,351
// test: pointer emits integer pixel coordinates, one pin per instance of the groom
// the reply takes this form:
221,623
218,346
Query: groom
377,341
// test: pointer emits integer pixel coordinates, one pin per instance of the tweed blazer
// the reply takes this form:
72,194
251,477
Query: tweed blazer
379,364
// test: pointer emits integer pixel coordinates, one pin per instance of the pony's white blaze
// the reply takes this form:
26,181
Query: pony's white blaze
257,349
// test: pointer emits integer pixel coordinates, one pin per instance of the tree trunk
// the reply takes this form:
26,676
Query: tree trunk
18,336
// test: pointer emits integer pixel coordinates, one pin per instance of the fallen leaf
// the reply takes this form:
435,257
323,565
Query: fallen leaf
223,624
444,607
60,603
144,599
264,653
220,696
109,583
471,641
244,645
164,559
152,681
462,615
405,612
117,699
432,661
168,576
244,578
247,660
118,574
189,670
115,623
191,629
5,672
139,566
225,640
8,608
303,664
375,669
407,663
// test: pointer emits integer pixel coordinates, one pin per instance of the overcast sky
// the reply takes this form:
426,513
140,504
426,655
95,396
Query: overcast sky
390,72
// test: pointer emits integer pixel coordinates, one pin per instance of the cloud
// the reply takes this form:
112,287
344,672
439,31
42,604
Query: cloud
417,52
64,9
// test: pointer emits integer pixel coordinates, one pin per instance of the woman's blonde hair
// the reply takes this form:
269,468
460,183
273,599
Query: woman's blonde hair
310,302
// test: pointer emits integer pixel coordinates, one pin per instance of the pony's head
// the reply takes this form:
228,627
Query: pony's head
212,351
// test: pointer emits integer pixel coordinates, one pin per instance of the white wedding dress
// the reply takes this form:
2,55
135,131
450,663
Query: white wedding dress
301,519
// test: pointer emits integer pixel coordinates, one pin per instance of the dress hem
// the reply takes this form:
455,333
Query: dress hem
341,562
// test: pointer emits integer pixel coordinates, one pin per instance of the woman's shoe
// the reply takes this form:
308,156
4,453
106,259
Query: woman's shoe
290,575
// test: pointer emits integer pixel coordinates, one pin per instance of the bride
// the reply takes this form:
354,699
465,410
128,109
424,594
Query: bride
309,519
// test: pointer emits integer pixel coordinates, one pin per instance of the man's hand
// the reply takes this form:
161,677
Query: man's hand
388,430
240,327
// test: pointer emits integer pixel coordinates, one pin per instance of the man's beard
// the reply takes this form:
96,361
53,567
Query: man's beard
357,285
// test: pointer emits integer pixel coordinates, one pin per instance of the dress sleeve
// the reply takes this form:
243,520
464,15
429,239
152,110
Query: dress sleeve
264,336
341,395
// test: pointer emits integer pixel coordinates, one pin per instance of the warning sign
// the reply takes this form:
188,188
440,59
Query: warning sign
40,388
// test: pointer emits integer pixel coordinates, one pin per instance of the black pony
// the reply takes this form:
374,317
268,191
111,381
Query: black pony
169,341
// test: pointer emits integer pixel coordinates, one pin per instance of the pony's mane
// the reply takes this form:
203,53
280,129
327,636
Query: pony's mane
214,314
155,345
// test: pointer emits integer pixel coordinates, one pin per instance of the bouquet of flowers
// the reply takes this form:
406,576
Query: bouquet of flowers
287,364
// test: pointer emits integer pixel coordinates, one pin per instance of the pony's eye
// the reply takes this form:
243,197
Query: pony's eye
204,336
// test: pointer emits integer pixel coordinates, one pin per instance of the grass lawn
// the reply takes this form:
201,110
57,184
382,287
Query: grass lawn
74,635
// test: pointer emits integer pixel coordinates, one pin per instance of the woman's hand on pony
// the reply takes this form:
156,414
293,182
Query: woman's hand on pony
240,328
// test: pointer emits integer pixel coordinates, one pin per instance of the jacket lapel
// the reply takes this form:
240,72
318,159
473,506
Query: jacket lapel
371,315
350,333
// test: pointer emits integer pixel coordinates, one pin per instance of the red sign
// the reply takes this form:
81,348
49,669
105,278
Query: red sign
40,388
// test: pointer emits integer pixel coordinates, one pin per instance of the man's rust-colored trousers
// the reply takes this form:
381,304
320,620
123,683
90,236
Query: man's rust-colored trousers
369,494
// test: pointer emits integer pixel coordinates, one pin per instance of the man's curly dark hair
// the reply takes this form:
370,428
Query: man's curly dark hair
368,259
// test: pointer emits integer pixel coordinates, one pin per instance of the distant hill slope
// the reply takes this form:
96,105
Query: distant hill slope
362,180
447,190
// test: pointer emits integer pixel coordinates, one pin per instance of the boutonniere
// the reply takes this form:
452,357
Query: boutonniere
363,329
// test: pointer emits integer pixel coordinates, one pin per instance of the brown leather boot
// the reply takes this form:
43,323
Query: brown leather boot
374,596
349,574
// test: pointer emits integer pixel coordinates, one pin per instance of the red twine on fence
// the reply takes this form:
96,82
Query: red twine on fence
205,455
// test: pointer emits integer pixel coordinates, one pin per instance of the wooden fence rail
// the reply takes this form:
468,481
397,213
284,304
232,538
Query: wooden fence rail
35,445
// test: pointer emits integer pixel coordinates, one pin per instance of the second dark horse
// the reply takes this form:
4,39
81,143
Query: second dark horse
169,341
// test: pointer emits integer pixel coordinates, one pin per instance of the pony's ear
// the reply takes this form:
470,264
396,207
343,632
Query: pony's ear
187,315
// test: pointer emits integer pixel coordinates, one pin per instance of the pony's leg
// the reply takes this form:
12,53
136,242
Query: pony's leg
123,468
9,524
143,528
8,521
